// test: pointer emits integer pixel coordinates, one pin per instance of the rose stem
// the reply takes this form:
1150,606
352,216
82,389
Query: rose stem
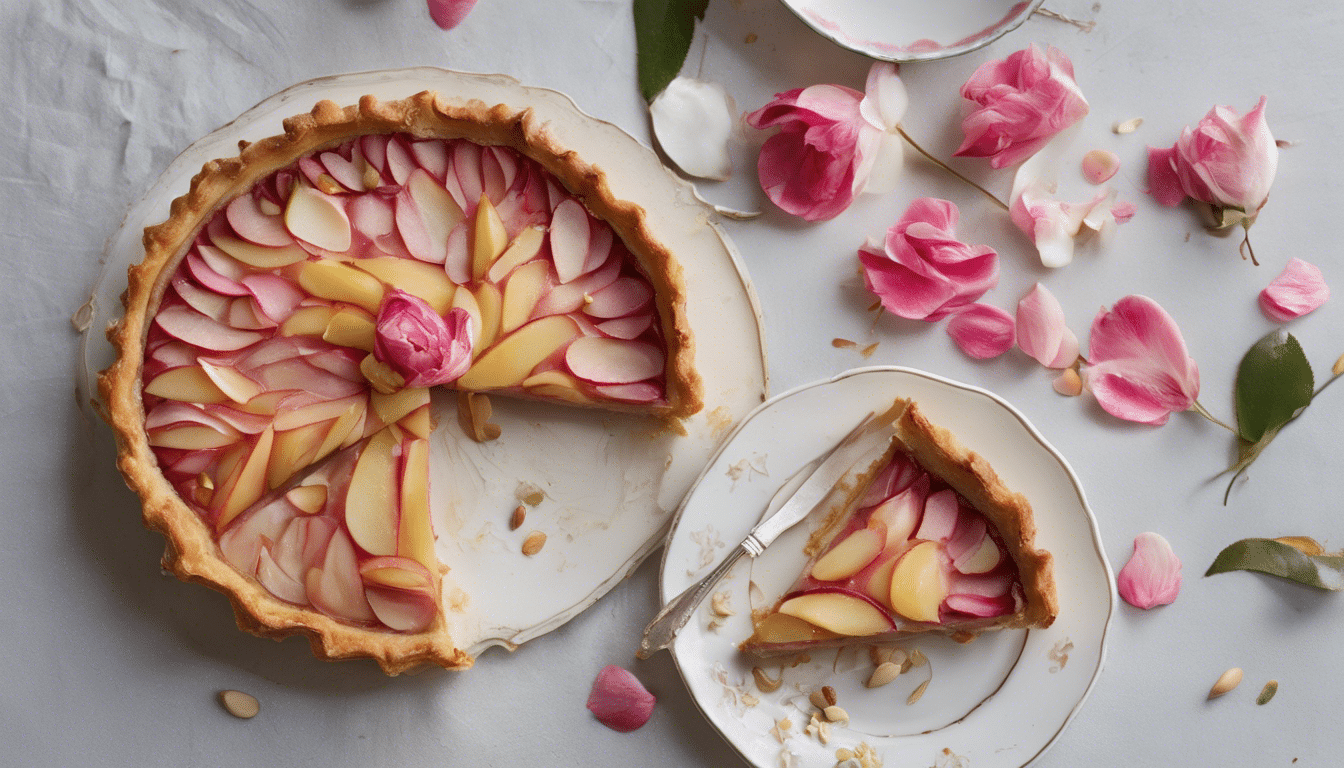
949,168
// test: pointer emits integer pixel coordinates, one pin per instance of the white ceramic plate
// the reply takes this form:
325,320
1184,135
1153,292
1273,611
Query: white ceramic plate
997,702
610,488
913,30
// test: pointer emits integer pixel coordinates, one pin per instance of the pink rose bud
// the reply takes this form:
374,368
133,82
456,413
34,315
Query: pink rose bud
1227,161
425,348
1137,366
922,271
1152,576
1022,102
833,143
982,331
619,700
1299,289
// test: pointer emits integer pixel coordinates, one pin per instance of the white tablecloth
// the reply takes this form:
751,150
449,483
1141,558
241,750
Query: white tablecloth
107,662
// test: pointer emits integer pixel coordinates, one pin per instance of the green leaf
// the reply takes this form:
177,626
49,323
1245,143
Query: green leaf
1274,383
663,31
1279,558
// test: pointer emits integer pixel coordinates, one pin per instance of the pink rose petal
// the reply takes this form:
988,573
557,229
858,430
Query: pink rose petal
619,700
1138,367
421,345
1227,161
1299,289
1041,331
1152,576
1100,165
982,331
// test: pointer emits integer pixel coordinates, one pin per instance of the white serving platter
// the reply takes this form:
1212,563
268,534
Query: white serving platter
997,702
610,483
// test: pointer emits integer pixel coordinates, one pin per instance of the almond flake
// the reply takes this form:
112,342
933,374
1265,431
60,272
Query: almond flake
917,658
829,693
918,692
1127,126
1267,693
843,343
241,705
869,350
836,714
818,700
1226,682
533,543
719,604
517,518
885,673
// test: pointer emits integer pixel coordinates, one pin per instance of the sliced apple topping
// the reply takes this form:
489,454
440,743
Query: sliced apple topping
424,281
308,499
513,359
490,238
341,282
371,513
843,613
255,225
260,256
613,361
919,583
851,555
523,249
940,516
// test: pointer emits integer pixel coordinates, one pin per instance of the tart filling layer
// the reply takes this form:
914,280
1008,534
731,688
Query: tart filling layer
930,542
284,329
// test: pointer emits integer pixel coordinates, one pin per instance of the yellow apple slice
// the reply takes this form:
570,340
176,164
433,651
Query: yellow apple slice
418,422
491,304
248,483
778,628
396,572
838,612
555,384
851,555
351,327
308,499
523,249
424,281
307,321
391,408
510,361
239,388
192,437
294,449
490,238
338,281
318,219
259,256
341,429
415,539
188,384
521,294
371,502
919,583
879,581
323,410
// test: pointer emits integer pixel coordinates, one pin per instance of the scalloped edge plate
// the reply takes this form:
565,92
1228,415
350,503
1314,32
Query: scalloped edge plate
997,702
911,30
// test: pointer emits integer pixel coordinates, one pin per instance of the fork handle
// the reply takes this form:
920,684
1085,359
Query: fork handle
664,627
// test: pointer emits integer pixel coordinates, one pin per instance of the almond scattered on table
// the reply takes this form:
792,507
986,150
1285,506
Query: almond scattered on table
533,543
241,705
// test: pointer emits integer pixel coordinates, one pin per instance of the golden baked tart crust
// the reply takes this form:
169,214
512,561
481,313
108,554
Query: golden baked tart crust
251,398
928,540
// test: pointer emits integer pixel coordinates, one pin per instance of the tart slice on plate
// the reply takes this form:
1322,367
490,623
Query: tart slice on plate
271,394
929,540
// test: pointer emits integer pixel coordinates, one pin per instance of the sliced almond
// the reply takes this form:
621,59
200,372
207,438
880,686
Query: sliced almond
835,714
818,700
885,673
1267,693
829,694
517,518
1226,682
918,692
1127,126
719,604
763,682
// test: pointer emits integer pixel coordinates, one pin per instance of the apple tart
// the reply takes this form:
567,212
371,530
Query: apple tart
271,394
929,540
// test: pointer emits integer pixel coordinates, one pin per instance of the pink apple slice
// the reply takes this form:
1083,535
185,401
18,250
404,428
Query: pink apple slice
245,315
569,239
402,610
600,239
335,588
171,412
374,148
613,361
400,162
844,613
258,256
202,262
466,168
432,156
213,305
277,581
347,173
373,216
626,327
276,296
241,543
851,555
623,297
238,387
901,514
971,529
184,323
940,516
980,607
250,223
497,171
996,585
643,392
243,421
438,211
569,297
